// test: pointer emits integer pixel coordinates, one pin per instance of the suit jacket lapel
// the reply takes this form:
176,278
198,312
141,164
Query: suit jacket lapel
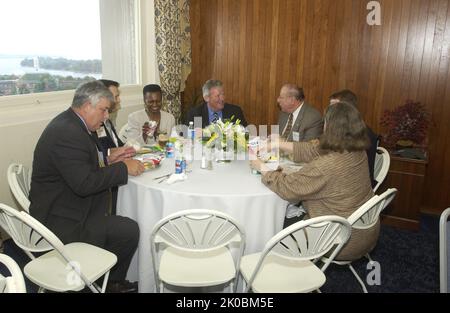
205,115
110,136
227,112
115,133
299,118
283,120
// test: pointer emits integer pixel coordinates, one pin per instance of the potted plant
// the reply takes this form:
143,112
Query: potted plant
406,128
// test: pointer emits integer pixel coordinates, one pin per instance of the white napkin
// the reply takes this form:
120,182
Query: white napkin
175,178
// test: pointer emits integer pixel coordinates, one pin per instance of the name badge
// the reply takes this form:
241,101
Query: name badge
101,132
295,136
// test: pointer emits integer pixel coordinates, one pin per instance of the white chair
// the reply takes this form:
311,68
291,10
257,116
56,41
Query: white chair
364,218
195,249
24,237
444,239
123,132
19,180
286,262
68,267
15,282
381,167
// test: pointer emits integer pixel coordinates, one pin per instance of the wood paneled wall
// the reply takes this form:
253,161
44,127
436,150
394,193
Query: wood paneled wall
255,46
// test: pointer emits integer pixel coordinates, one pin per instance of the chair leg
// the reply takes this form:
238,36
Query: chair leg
232,287
105,282
358,278
161,287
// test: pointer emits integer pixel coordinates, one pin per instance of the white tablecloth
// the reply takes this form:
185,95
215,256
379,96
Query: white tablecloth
229,188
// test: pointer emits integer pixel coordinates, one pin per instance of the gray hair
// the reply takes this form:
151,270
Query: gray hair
209,85
93,92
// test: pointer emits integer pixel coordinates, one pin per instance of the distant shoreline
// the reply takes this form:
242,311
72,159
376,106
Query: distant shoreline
11,66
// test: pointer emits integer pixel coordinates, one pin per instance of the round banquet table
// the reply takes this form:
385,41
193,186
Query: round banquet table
229,187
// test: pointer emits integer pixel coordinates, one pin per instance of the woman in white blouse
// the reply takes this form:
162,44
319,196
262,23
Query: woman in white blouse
145,125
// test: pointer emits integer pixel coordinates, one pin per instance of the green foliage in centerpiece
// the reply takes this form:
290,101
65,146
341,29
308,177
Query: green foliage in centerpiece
225,135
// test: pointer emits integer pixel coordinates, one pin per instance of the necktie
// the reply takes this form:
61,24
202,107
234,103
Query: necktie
110,131
287,130
215,117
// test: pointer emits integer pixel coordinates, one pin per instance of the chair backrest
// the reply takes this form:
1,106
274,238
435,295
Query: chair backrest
368,214
197,230
444,239
25,237
19,180
307,240
14,283
381,167
42,238
123,132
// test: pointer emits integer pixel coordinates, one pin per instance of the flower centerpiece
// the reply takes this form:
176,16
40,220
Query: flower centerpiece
225,137
406,126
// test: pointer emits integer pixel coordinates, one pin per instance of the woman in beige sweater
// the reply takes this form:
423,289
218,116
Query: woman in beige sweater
335,179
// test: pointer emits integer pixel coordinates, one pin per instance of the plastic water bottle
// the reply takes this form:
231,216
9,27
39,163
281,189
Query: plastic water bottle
169,150
170,146
178,162
191,131
191,143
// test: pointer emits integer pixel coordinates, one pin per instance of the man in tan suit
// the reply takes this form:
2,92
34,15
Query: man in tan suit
298,121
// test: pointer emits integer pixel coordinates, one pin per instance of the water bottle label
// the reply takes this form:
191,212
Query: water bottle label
169,150
178,167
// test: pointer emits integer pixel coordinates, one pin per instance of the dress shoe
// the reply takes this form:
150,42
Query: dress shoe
122,287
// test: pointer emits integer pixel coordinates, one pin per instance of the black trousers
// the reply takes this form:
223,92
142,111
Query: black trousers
122,238
114,192
117,234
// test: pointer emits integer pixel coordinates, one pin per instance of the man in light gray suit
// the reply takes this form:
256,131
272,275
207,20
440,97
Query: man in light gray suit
298,120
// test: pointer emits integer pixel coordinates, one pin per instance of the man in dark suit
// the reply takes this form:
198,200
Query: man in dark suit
298,120
107,134
348,96
214,107
70,182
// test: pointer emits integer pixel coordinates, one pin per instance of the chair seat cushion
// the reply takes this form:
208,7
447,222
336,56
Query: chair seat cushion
196,268
279,274
52,272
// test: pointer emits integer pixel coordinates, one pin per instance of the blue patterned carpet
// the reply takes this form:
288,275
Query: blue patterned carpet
409,262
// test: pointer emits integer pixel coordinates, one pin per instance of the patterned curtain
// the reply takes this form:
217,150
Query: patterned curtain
173,50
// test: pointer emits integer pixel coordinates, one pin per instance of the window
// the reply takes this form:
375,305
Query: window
48,47
131,67
55,45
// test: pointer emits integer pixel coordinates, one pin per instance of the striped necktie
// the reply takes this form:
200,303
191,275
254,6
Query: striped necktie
287,130
215,117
